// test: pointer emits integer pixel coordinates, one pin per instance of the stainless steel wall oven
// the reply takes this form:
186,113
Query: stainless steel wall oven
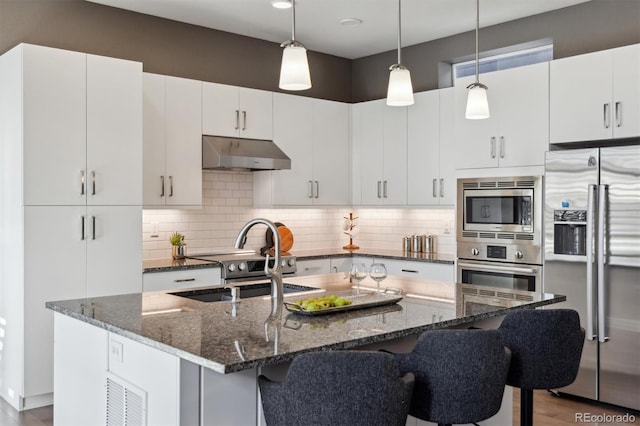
499,232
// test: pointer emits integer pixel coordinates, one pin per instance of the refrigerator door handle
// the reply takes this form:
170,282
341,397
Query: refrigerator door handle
603,192
591,199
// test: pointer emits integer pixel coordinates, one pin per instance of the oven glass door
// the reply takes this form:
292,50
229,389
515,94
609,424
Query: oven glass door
502,275
498,210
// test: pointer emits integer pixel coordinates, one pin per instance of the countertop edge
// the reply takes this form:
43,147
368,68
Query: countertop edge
240,366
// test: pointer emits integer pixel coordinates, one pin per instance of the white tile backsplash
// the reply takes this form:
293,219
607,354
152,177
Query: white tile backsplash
228,205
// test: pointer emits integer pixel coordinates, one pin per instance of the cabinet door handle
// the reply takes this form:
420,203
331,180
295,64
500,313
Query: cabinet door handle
317,189
170,186
441,188
82,182
435,188
93,227
493,147
310,189
82,232
93,182
411,271
502,148
162,186
618,114
244,120
379,189
384,189
184,280
237,119
606,116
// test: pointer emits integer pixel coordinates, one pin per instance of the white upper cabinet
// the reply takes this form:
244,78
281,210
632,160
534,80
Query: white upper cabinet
55,125
430,153
595,96
517,133
380,153
314,133
82,128
236,111
114,131
172,141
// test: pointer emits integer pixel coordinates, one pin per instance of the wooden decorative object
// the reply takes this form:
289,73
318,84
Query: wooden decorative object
348,230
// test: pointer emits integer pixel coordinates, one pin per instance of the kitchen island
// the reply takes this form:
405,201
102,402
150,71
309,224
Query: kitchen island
189,362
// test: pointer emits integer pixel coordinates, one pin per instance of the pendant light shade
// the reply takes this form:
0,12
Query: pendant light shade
477,102
400,90
294,71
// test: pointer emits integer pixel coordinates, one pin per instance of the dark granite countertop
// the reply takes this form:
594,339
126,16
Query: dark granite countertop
384,253
166,265
209,335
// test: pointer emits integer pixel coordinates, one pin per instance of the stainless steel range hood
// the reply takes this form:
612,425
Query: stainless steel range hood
220,152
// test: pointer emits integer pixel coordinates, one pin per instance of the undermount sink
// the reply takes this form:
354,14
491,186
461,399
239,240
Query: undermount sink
219,294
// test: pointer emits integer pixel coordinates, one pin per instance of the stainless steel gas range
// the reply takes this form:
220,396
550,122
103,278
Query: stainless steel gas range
246,265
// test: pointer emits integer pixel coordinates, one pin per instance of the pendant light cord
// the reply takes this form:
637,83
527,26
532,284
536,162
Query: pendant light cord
293,20
477,27
399,30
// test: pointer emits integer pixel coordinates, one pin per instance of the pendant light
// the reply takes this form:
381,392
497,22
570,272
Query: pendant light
477,103
400,90
294,71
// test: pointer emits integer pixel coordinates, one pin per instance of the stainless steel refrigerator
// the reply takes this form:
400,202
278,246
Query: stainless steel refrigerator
592,255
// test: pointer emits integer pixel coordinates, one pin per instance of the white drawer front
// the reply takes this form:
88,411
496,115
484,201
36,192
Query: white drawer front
178,280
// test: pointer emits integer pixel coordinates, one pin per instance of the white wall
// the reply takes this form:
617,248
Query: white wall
228,204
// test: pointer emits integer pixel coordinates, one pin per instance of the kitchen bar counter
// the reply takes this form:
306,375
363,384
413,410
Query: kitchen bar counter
224,339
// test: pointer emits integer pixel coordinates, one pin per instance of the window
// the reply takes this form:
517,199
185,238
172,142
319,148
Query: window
505,61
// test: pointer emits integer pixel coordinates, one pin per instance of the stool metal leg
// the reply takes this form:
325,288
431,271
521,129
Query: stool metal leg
526,407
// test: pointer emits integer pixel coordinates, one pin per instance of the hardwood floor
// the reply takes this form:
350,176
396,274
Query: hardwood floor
549,410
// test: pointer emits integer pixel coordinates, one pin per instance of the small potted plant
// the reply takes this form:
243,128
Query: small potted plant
178,246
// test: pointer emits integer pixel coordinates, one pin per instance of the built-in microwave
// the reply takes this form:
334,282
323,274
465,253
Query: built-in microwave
505,209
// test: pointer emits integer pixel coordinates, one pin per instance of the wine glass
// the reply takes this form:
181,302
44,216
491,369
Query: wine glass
378,272
358,273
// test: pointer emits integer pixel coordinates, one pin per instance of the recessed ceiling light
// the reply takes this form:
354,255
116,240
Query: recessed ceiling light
281,4
351,21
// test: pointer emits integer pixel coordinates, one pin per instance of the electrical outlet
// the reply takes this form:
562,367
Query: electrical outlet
116,351
155,230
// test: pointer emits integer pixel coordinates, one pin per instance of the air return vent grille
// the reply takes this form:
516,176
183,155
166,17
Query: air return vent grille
506,184
126,404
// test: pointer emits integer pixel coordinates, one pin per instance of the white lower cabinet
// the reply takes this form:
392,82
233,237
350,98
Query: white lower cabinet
421,270
180,280
313,267
401,268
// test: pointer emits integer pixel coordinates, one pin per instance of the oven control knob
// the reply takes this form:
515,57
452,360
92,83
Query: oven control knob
519,254
242,266
231,267
475,251
291,262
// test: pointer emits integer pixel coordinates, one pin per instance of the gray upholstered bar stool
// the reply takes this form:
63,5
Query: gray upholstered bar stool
546,347
338,388
460,375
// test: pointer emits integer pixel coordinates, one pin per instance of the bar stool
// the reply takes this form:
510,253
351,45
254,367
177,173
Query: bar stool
546,347
460,375
338,388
